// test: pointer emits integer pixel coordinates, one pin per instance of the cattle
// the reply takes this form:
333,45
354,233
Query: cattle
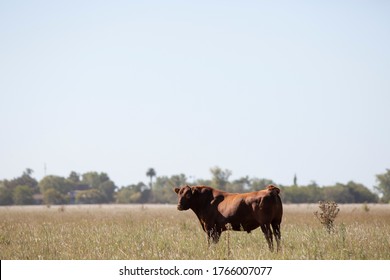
218,211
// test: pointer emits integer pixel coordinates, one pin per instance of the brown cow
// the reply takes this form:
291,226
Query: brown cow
216,210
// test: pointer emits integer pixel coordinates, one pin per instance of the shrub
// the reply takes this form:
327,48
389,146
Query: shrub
329,211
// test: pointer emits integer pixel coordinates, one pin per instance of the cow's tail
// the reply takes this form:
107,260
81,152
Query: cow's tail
274,191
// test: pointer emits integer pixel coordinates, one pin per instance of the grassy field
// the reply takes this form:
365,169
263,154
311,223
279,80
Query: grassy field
161,232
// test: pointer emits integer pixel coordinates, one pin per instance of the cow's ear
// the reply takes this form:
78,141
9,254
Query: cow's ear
176,190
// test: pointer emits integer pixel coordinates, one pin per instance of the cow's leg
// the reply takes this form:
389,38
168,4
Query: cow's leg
266,228
276,230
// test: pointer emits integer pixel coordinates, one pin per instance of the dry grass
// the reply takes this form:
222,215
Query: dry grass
162,232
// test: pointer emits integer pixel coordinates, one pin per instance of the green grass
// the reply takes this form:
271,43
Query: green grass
162,232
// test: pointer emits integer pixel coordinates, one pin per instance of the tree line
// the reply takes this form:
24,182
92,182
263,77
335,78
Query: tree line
97,188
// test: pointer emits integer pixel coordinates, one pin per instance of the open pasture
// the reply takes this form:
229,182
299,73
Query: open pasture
112,232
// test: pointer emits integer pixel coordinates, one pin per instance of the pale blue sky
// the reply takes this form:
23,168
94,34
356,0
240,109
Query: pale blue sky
263,88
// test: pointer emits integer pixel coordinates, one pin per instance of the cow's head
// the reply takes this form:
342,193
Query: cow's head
184,195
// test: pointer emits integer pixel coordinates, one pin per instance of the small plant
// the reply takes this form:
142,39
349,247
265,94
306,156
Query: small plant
229,228
366,208
328,213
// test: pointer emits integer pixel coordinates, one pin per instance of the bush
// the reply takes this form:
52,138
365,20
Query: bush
329,211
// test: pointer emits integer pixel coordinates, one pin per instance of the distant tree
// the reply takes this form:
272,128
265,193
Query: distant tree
311,193
202,182
23,195
104,177
349,193
151,173
28,172
260,184
160,189
92,196
102,183
74,177
338,193
127,195
24,180
5,195
144,191
314,193
178,180
294,194
383,186
295,180
239,186
53,196
163,188
58,183
94,179
108,189
138,193
360,193
220,178
21,188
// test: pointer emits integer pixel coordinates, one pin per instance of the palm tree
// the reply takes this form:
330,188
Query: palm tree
151,173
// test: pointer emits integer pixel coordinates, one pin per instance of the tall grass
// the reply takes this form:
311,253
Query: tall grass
162,232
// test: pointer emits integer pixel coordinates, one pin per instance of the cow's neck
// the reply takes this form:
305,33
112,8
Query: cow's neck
201,209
